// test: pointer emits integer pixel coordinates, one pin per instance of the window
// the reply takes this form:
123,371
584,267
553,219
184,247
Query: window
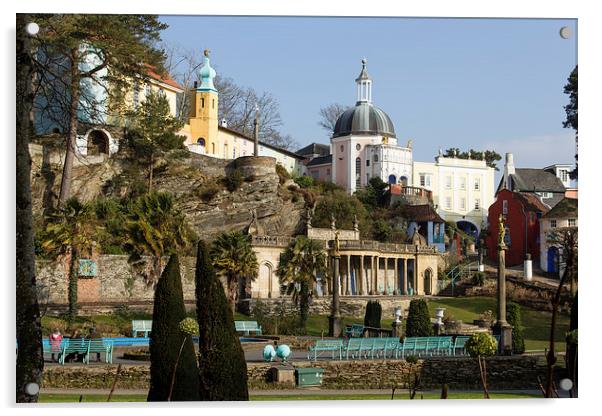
234,153
462,203
564,175
448,202
504,207
202,102
147,90
553,223
342,148
358,146
428,180
572,222
422,180
477,204
213,103
358,172
448,182
213,148
375,158
367,162
462,183
477,184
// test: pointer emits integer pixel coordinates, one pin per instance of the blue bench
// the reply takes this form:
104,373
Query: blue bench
144,326
247,326
85,347
354,331
426,346
334,346
358,348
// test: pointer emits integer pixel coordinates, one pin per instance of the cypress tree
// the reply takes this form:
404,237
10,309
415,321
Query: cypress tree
373,314
514,319
419,319
222,365
166,340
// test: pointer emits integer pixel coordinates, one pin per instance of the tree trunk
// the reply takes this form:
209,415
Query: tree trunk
232,292
551,357
30,358
150,172
72,137
304,304
72,291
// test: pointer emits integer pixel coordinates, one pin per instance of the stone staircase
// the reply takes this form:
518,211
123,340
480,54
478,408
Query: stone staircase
458,280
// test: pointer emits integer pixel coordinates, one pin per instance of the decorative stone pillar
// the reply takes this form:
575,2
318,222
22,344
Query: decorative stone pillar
348,278
404,289
396,276
502,327
361,276
334,320
386,286
377,266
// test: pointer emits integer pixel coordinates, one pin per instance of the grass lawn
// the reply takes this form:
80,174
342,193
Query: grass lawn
467,309
399,395
536,323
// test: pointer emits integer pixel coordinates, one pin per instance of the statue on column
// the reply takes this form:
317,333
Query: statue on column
336,244
333,223
356,224
501,231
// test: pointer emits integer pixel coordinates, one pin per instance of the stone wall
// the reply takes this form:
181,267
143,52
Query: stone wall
518,372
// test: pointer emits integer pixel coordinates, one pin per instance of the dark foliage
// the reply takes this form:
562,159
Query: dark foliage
491,156
419,319
166,340
222,365
233,180
513,315
373,314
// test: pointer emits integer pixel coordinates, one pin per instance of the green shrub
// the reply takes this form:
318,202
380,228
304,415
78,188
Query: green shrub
513,315
304,181
478,279
481,344
234,180
208,191
419,319
222,365
282,173
166,340
373,314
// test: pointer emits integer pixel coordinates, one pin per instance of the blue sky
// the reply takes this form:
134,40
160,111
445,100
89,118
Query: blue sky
480,83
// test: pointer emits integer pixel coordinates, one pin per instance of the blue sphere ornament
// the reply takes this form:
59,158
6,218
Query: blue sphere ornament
269,353
283,351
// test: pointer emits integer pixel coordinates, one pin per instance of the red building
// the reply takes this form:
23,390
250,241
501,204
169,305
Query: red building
521,212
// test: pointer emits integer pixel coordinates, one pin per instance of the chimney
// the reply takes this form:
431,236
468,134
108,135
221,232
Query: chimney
508,170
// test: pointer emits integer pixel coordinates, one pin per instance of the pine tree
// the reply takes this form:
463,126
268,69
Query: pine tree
166,340
222,365
514,319
419,319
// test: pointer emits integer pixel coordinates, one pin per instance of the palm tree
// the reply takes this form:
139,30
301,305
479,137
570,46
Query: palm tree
155,228
299,265
233,256
71,230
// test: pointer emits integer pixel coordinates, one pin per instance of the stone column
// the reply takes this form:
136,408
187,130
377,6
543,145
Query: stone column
326,282
502,327
334,320
348,279
386,287
396,276
377,266
404,289
361,276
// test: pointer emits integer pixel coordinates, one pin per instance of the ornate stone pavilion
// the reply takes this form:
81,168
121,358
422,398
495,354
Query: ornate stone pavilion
367,267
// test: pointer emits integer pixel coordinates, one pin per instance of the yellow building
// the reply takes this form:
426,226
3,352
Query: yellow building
206,135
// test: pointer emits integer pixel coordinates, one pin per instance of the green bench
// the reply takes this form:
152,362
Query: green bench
460,344
334,346
86,347
247,327
426,346
354,331
358,348
144,326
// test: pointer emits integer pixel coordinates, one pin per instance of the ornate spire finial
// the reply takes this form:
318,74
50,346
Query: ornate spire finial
364,62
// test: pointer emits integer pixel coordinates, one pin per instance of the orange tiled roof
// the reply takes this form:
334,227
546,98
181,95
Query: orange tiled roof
151,71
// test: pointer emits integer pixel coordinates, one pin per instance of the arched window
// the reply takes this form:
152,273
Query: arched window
375,158
403,181
428,276
392,179
200,141
358,171
97,143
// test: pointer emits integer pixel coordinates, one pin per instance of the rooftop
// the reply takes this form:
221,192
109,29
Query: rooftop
566,208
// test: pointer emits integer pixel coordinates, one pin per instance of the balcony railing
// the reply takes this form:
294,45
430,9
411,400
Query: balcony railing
411,191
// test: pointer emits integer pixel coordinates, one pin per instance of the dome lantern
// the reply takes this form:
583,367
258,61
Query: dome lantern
364,85
206,74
